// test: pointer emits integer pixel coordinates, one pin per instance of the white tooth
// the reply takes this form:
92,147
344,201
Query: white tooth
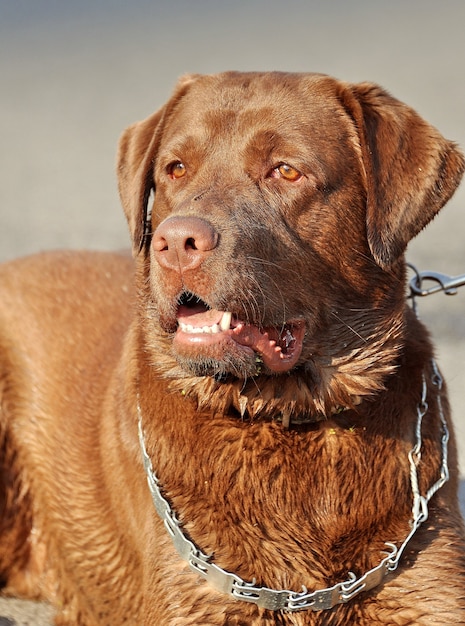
188,328
225,321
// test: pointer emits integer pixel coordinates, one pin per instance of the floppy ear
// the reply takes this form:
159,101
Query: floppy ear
136,154
411,170
137,150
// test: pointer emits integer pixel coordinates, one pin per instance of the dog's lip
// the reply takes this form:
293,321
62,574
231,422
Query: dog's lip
279,347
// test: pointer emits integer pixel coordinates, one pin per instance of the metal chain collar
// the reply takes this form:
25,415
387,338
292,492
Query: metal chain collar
320,599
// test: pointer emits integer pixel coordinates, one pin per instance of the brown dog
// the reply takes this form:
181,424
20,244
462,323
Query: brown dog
284,393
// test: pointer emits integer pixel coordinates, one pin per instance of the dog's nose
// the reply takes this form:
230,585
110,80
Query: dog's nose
183,243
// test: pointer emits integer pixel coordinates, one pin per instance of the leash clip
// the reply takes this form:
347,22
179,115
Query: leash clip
442,282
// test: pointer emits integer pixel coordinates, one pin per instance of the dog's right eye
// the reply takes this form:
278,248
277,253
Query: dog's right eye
177,169
283,170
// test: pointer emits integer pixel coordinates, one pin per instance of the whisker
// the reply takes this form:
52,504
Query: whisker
348,326
273,264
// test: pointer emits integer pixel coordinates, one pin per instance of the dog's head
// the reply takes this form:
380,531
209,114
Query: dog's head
271,263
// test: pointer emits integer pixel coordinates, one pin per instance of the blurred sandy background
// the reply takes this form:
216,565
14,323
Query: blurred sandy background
74,74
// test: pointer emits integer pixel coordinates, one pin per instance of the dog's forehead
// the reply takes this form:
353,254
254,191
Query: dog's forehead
238,104
233,89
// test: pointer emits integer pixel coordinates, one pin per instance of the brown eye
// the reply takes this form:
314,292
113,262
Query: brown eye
287,172
176,169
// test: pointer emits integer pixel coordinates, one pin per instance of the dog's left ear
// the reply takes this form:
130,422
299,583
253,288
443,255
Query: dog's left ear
411,170
137,150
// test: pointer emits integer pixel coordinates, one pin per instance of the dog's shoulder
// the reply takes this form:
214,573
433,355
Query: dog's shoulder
60,280
61,307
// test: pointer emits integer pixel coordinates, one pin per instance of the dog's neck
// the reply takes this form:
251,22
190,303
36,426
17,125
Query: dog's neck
321,599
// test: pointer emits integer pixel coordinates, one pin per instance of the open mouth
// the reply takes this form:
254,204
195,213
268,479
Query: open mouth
210,331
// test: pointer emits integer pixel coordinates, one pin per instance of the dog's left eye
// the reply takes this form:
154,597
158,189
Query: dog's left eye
283,170
176,169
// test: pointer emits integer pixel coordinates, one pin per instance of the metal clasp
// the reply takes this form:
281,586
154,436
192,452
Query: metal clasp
443,282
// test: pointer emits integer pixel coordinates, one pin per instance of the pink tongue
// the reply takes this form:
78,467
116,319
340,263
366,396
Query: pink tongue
279,354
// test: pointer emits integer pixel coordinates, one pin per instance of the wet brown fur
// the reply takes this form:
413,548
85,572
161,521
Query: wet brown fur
83,336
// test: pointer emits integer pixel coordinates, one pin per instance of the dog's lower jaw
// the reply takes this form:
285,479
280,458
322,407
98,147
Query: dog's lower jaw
221,370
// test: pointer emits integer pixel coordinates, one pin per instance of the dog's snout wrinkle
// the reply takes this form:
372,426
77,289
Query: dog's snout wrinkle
183,243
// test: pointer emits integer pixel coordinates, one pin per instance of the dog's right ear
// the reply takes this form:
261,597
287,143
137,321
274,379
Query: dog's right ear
137,151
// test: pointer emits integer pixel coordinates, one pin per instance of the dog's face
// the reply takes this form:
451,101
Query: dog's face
242,168
273,252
